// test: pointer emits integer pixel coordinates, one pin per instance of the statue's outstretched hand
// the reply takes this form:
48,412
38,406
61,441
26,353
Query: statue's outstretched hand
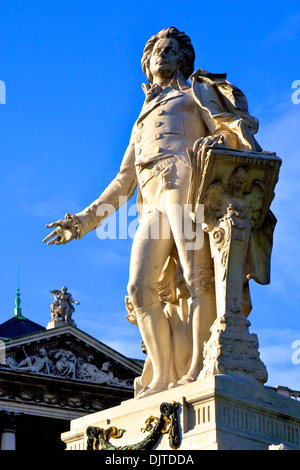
64,232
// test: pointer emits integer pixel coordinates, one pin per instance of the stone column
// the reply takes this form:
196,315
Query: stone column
236,189
8,436
231,348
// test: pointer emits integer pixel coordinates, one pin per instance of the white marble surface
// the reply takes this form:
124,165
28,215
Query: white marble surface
219,412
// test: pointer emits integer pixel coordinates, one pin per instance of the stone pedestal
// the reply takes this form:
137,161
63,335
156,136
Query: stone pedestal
57,323
219,412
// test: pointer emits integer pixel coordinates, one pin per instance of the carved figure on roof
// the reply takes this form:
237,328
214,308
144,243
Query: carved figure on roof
62,307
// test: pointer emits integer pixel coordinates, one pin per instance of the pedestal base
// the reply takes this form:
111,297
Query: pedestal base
216,413
57,323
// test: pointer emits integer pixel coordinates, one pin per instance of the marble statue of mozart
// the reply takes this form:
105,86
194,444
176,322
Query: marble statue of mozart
171,288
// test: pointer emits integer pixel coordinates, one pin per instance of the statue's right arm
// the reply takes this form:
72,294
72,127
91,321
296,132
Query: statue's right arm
117,193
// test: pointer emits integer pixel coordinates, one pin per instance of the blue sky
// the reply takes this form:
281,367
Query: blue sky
73,91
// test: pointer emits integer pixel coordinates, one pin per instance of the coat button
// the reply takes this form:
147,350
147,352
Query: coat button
138,139
157,149
140,125
160,112
157,136
139,151
157,124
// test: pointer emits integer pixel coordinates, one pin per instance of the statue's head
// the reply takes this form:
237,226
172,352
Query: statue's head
64,289
181,52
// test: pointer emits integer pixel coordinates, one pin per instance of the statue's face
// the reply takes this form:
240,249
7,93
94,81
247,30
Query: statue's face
165,58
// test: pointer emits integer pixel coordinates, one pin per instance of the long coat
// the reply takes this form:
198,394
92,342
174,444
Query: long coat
224,109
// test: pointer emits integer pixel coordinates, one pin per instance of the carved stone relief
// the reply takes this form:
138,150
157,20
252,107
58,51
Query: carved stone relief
64,363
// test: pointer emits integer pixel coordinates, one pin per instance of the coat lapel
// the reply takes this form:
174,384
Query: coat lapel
166,95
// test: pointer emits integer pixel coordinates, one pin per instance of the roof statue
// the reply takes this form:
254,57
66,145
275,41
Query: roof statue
62,308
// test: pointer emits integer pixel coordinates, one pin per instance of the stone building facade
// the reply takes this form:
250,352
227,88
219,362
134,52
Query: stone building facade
50,376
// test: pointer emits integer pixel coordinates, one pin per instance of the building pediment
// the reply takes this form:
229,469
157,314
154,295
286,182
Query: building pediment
69,353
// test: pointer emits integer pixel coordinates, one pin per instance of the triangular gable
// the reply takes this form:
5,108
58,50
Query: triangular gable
69,353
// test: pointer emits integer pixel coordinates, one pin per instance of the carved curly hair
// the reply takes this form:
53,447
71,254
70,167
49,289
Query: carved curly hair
187,64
